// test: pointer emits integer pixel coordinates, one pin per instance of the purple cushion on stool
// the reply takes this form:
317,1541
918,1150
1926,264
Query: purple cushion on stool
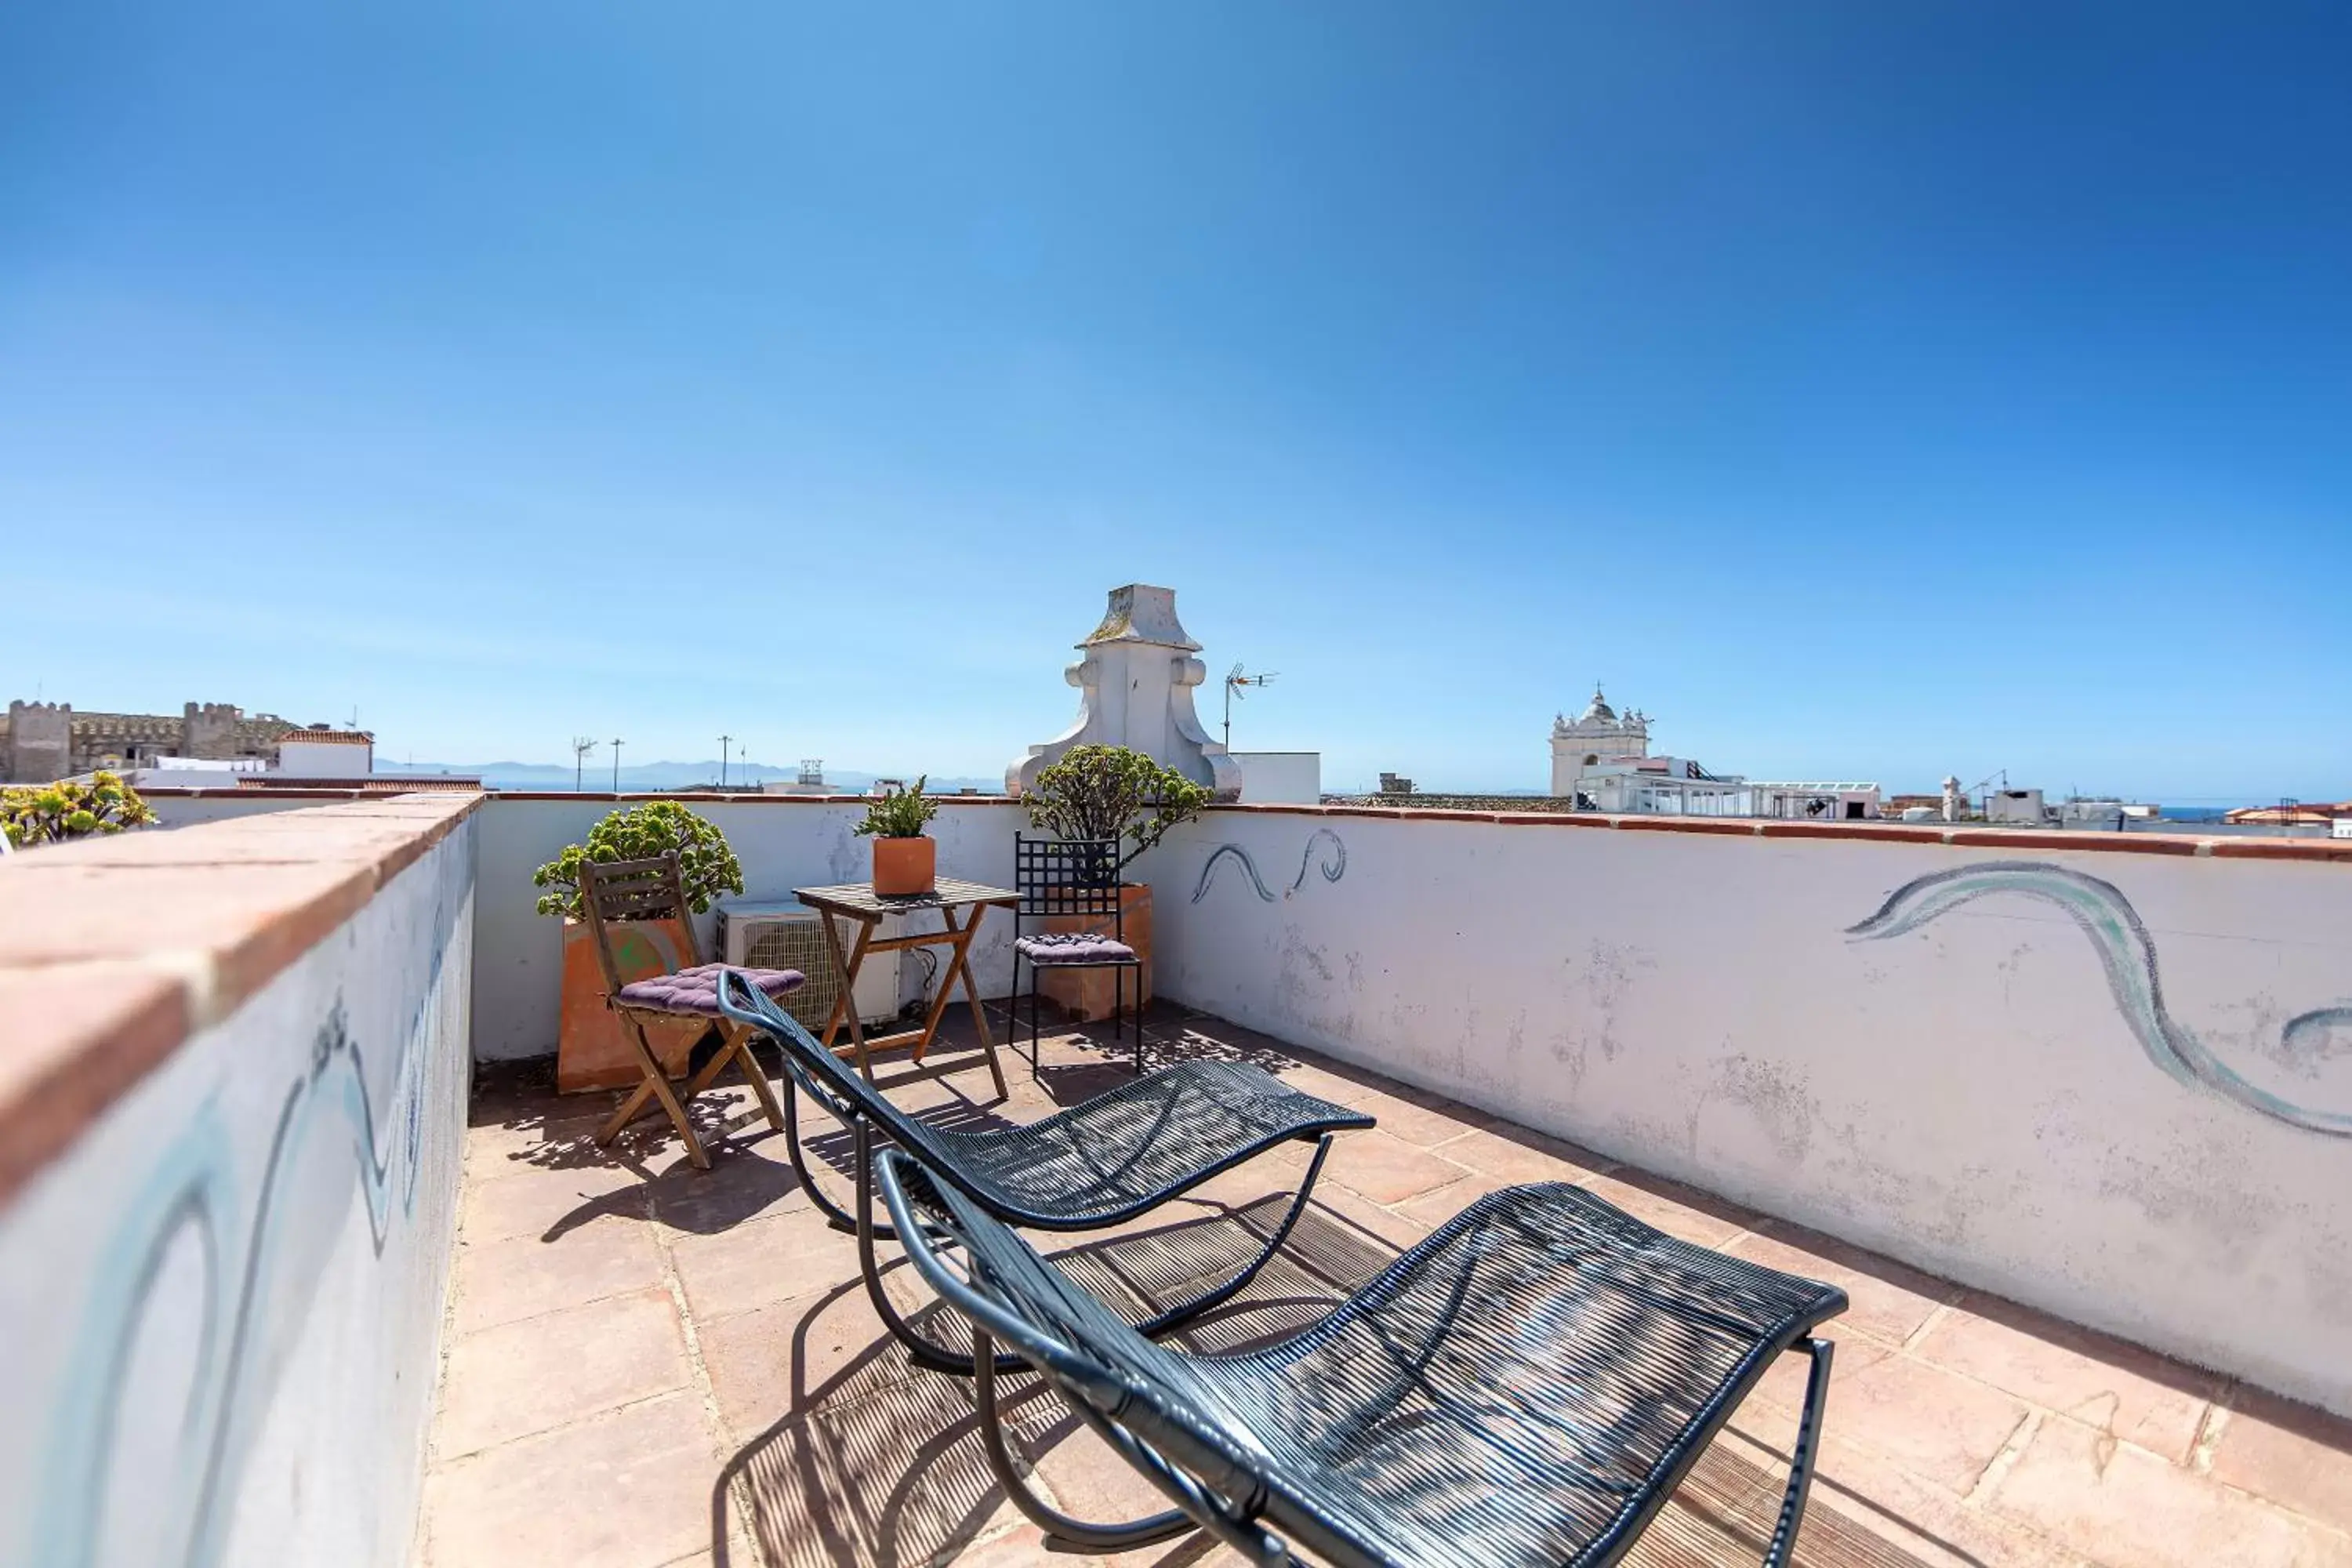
1072,947
696,990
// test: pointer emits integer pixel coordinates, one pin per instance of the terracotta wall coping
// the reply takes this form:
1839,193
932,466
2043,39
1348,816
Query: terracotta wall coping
1966,835
114,951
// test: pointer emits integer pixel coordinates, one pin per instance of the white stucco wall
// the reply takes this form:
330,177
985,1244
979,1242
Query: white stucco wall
1991,1091
220,1310
782,843
325,759
221,805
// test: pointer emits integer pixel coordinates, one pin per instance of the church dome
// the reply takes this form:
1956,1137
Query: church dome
1600,712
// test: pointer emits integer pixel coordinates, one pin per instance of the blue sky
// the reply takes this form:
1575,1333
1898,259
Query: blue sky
1863,390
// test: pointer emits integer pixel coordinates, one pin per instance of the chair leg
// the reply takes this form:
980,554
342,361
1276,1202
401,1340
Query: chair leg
1033,1042
835,1214
659,1082
1219,1296
919,1350
750,1063
1061,1530
1801,1456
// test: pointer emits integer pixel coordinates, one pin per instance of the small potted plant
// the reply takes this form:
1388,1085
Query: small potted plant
1114,794
60,812
906,861
590,1050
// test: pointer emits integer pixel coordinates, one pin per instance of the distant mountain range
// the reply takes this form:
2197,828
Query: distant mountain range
662,775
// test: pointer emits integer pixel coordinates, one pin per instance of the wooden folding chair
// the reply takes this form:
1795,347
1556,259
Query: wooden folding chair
624,891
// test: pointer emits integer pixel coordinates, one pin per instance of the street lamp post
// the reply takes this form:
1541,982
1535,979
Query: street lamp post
616,765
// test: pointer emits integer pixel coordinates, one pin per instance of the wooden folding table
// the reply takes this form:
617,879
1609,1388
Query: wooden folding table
858,902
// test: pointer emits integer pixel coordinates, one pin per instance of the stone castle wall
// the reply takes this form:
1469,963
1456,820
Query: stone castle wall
43,740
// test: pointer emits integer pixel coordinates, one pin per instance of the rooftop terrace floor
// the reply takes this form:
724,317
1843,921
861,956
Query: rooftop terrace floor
646,1365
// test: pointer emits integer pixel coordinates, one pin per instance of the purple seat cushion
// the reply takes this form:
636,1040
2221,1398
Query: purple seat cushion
1072,947
696,990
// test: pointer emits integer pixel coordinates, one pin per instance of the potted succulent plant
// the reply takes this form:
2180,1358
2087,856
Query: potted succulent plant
59,813
1122,796
905,861
590,1050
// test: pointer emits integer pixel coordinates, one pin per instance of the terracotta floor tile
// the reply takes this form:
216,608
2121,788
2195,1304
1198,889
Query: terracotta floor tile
738,1552
1516,1157
628,1489
777,1256
1933,1423
766,1364
894,1477
521,1277
2291,1454
1391,1231
1386,1170
1415,1124
2121,1389
1888,1301
1683,1213
1435,1206
1918,1519
851,1455
745,1182
2131,1507
518,1378
537,1137
535,1202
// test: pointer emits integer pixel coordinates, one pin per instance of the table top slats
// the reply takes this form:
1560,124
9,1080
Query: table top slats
858,899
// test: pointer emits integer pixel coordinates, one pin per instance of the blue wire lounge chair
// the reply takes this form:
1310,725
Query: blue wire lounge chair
1526,1386
1094,1165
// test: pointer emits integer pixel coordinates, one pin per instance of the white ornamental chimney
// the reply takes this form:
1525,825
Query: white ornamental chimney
1135,677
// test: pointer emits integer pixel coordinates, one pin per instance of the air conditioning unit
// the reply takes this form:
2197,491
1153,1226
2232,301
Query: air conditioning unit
784,934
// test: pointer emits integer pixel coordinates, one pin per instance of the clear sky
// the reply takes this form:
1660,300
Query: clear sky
1865,390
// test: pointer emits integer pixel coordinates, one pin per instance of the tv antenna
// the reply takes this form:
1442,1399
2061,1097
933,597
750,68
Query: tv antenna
1234,682
581,747
1985,783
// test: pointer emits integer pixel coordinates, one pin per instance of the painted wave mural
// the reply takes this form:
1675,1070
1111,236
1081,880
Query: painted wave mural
2127,953
1333,866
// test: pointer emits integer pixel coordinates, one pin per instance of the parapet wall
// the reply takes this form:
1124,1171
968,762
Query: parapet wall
2108,1076
232,1107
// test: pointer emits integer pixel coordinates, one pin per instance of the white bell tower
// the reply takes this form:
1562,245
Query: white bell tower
1599,734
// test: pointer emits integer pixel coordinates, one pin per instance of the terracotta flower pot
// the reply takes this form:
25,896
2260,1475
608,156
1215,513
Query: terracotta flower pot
592,1051
903,866
1085,995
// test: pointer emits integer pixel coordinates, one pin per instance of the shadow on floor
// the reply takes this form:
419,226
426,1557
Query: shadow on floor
883,1465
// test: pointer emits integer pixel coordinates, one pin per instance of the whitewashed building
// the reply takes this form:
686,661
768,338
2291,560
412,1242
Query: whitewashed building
324,754
1602,759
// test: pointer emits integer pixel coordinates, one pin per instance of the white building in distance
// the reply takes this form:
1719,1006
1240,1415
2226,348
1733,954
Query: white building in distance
1602,761
326,755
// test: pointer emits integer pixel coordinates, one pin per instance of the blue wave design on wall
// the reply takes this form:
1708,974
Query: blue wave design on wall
2128,954
190,1194
1334,867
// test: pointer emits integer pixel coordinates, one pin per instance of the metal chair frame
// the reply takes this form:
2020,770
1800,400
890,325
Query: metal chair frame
1248,1113
614,891
1064,877
1230,1483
